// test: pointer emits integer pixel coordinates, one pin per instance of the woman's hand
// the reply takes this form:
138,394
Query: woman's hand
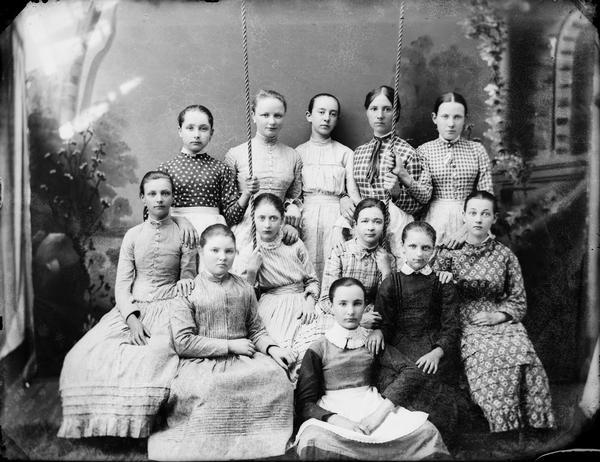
282,356
489,319
343,422
371,320
347,208
189,235
293,215
445,276
391,184
185,287
455,239
255,261
375,342
252,185
137,329
430,362
308,314
241,346
383,260
290,234
371,422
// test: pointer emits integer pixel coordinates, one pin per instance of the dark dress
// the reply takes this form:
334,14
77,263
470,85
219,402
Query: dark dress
419,314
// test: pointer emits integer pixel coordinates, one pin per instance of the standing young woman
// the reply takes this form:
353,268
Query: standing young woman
387,166
205,190
457,167
278,168
328,187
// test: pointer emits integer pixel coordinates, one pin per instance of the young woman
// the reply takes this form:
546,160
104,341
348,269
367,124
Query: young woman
506,378
328,186
344,416
205,189
457,168
419,328
231,398
388,167
277,167
115,379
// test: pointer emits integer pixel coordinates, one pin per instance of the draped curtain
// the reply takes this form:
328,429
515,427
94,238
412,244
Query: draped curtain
16,287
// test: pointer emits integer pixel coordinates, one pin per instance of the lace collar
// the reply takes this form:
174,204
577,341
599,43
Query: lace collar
346,339
270,245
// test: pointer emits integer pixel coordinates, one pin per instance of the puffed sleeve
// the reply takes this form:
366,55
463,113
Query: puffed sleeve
484,177
126,274
187,342
311,283
447,337
254,324
331,272
310,387
229,195
515,303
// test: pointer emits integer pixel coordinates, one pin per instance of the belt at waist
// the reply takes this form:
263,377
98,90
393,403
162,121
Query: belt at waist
295,288
321,199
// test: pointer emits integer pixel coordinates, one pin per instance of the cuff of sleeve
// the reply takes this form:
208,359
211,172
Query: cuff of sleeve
326,416
127,310
296,202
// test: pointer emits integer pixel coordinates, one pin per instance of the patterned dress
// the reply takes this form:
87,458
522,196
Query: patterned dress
284,276
323,184
223,406
337,378
457,168
204,190
279,171
506,378
410,200
109,386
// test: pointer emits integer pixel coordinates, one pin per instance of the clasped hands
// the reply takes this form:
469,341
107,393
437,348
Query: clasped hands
246,347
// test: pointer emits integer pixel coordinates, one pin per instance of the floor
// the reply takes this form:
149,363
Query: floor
31,417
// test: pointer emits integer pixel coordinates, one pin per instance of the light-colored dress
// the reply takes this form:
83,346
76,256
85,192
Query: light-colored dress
323,184
223,406
336,378
279,170
457,169
108,385
409,201
284,276
506,377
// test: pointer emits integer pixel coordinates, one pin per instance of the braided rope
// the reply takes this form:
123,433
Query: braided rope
248,114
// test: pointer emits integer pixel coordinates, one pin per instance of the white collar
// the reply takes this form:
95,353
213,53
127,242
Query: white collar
346,339
425,271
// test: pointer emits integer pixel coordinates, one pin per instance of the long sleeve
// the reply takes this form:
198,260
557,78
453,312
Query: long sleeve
351,187
188,263
125,276
331,272
187,342
310,388
294,191
311,283
449,332
229,195
515,302
484,182
443,260
255,326
385,305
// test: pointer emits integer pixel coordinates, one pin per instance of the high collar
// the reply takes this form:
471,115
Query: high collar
363,251
188,155
346,339
425,271
159,223
319,142
447,143
488,238
261,139
273,244
211,277
385,136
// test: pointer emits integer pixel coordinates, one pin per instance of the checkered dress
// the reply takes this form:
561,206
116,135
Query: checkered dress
412,198
456,168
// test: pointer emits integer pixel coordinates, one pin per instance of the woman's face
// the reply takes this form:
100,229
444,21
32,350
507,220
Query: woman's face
268,116
418,248
380,114
479,217
324,116
348,306
218,254
369,226
449,120
195,132
158,197
268,221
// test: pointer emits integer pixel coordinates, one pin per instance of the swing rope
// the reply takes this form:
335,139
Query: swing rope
248,114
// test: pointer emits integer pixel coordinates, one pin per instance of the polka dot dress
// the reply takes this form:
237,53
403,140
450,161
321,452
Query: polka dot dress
202,181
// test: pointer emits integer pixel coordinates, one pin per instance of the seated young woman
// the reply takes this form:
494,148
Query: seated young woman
343,415
231,398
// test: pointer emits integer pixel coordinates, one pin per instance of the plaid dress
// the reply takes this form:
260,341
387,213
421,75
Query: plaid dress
457,168
506,377
410,200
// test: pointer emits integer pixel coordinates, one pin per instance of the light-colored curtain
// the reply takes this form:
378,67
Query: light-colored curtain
16,287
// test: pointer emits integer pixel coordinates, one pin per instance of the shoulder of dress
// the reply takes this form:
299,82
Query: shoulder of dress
339,146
